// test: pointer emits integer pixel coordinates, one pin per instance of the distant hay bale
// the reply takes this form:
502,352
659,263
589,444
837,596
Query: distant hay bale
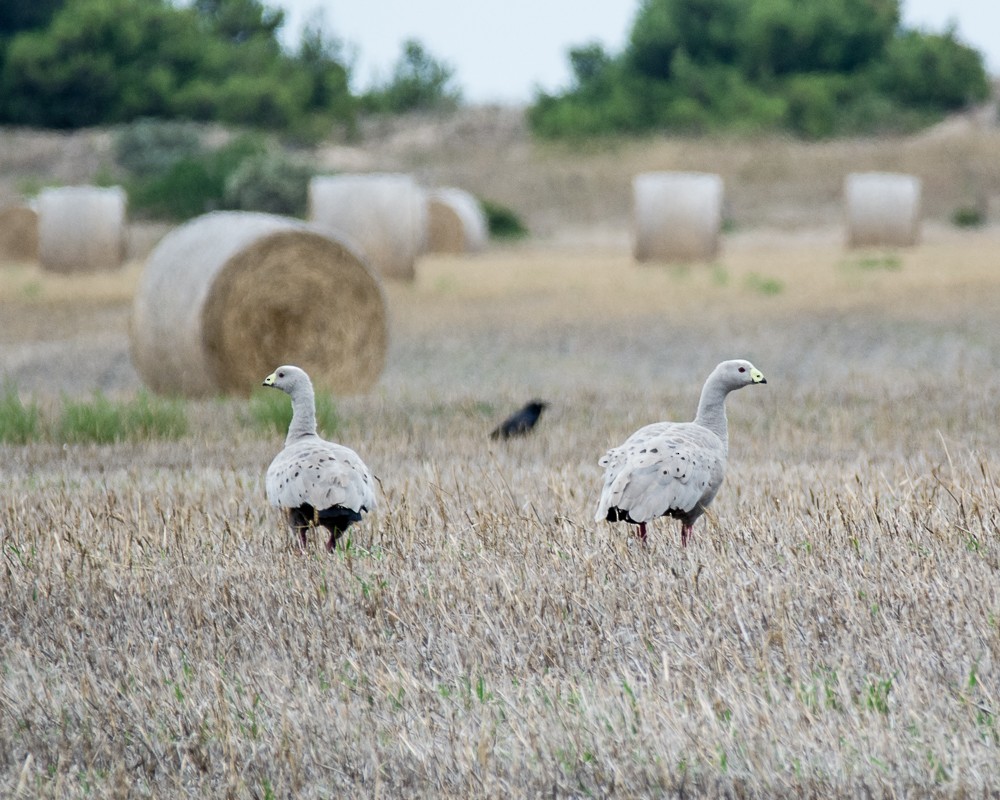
384,214
228,296
882,209
678,216
18,234
81,228
455,222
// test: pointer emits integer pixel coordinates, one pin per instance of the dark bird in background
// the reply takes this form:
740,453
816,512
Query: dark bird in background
521,422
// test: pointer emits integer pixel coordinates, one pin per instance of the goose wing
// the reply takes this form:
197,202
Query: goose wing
320,473
665,468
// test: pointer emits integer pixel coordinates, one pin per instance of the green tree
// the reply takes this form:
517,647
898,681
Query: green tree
239,21
934,70
707,31
26,15
112,61
815,67
782,37
322,61
419,82
100,61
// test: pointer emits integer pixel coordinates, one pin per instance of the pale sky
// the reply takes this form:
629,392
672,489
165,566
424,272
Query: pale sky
502,51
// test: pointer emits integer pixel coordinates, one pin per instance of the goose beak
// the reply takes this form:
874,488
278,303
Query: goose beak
269,380
757,376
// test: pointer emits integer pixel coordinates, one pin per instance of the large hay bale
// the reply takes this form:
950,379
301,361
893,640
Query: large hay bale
18,234
678,215
384,214
229,296
455,222
81,228
882,209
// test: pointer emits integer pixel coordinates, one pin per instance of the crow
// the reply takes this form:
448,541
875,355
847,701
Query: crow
521,422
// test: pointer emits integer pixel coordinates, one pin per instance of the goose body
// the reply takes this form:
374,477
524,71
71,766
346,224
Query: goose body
674,469
315,482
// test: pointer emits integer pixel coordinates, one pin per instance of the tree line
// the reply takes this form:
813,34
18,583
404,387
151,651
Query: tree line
812,67
76,63
815,68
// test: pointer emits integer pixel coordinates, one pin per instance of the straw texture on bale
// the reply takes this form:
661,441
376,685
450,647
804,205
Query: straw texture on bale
18,234
882,209
678,215
227,296
384,214
455,222
81,228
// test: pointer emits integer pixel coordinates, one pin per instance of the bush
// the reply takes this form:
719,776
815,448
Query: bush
153,146
269,182
193,185
968,217
502,222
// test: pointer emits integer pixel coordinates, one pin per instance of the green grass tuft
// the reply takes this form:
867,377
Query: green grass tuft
764,285
102,421
96,420
19,423
888,262
149,417
272,411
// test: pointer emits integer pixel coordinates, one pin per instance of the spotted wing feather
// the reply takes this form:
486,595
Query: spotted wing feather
665,468
321,474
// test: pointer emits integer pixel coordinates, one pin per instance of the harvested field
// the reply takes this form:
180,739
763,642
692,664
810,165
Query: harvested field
832,629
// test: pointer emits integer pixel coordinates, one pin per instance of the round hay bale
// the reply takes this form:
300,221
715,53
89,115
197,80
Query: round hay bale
81,228
455,222
882,209
18,234
228,296
678,215
385,214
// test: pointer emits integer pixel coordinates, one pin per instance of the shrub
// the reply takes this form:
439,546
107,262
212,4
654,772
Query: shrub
968,217
503,223
151,146
194,184
272,411
18,422
269,182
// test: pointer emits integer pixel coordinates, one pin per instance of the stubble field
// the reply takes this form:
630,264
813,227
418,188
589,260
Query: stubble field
833,629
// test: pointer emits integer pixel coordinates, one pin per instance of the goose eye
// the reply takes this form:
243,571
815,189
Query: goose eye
743,369
282,374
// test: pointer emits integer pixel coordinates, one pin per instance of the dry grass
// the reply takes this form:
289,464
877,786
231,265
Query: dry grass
834,629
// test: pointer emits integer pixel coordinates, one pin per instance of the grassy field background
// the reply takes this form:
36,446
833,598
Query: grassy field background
834,628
